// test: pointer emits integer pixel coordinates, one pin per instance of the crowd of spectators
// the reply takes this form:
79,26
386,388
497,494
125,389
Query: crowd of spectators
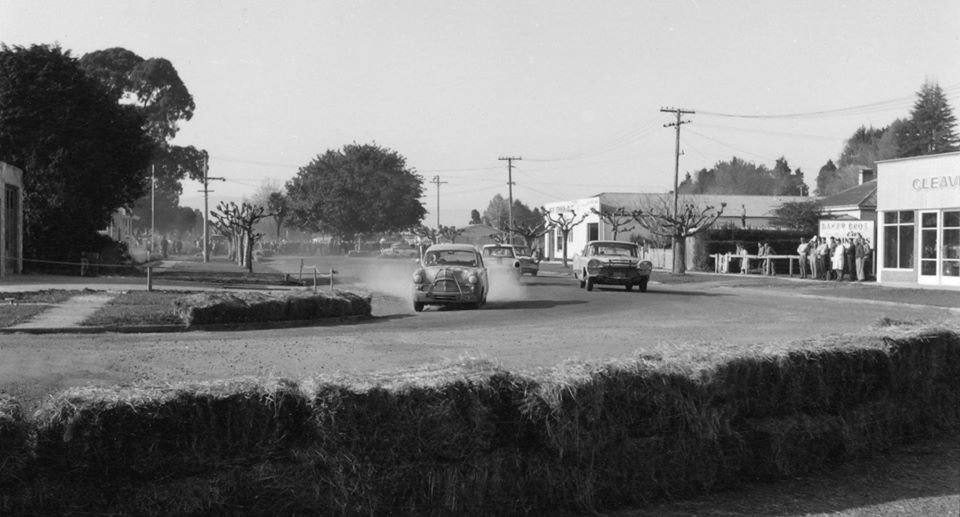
820,258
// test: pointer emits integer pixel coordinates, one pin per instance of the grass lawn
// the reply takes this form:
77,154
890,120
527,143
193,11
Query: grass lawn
138,308
20,307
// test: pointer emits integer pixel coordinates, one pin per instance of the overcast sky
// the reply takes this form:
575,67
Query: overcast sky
574,88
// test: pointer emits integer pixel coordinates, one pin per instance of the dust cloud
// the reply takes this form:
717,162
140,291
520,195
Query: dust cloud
505,286
394,277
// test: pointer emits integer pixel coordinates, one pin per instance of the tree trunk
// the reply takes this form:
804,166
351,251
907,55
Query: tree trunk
679,256
248,252
565,248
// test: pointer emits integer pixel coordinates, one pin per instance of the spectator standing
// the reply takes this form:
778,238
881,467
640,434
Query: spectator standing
849,261
812,258
768,262
164,245
861,252
802,250
823,262
744,260
837,261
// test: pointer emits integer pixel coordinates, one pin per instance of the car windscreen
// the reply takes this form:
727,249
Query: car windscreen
616,250
451,258
498,252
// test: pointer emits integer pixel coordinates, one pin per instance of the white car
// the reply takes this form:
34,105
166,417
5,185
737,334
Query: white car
502,258
611,263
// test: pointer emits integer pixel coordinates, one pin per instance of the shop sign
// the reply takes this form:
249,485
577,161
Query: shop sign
936,182
833,228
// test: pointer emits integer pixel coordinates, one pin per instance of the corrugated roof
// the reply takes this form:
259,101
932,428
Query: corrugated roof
754,206
861,196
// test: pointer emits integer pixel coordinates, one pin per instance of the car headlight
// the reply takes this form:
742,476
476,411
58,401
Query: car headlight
593,265
418,277
473,279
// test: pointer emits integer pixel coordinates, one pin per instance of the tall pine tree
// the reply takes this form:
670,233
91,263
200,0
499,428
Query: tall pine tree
931,128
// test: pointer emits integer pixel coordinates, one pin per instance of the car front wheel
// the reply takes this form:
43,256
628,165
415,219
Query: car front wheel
418,306
643,285
589,284
583,280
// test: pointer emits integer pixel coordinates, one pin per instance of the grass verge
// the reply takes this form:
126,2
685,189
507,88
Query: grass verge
20,307
138,308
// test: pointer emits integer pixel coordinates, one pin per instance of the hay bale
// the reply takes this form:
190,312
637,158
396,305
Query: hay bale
149,431
269,306
15,440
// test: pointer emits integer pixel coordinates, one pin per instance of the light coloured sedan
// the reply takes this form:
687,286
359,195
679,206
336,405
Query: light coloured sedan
611,263
450,274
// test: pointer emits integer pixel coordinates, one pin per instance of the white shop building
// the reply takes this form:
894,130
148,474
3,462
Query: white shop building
11,220
918,219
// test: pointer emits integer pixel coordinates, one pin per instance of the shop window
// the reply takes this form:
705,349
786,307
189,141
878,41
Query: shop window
951,244
593,231
898,239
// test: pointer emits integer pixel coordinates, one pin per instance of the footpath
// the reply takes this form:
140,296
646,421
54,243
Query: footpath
68,315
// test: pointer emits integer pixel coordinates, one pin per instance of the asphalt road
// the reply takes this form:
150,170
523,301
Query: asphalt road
536,322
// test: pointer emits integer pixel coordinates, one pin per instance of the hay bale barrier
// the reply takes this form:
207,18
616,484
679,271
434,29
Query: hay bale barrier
218,308
472,439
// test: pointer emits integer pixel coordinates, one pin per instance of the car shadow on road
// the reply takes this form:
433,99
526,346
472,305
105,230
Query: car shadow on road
530,304
653,290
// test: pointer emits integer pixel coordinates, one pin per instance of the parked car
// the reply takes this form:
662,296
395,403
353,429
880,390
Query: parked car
502,258
529,263
400,249
450,274
611,263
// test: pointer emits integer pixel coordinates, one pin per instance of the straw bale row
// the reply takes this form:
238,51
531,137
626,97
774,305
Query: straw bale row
266,306
15,440
473,439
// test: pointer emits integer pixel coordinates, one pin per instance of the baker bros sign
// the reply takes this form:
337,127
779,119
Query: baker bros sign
830,228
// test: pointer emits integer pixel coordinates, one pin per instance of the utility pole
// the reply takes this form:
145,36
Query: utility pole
153,204
676,162
509,160
206,192
436,181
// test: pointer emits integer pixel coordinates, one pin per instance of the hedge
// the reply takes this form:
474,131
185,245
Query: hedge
474,439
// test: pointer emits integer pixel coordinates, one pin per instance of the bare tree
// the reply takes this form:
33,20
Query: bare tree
530,232
617,219
690,219
450,233
563,221
237,222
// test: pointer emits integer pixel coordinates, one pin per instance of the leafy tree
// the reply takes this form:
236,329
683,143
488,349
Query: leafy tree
475,217
237,223
355,190
786,181
565,221
497,213
616,219
691,218
799,215
83,155
862,149
826,176
279,209
152,84
154,87
931,128
736,177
